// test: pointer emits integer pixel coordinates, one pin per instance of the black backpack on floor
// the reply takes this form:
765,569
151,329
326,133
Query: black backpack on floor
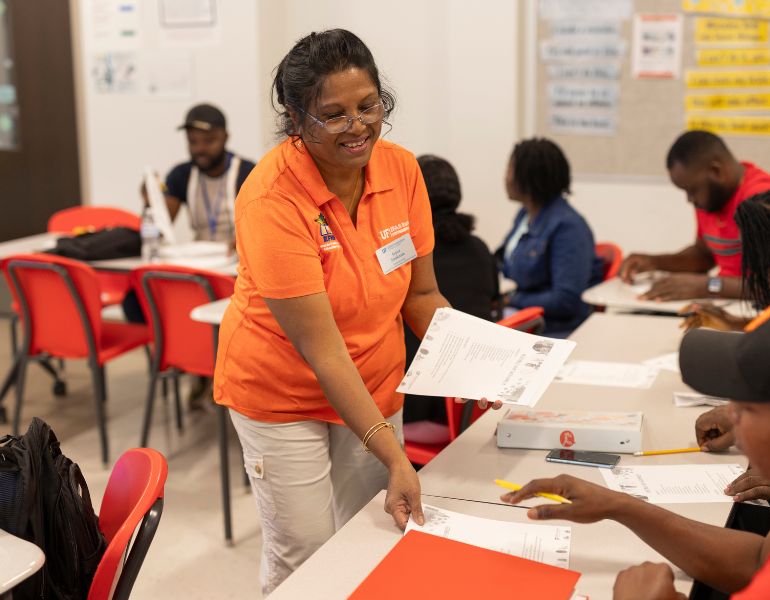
44,499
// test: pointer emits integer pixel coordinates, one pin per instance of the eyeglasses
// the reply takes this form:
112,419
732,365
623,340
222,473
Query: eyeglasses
342,123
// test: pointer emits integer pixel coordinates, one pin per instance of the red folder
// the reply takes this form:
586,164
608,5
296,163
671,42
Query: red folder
423,566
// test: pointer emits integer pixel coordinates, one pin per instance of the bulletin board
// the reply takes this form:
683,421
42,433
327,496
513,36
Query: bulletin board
650,112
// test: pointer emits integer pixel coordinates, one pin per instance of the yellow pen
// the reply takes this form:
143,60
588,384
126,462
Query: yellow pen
672,451
516,487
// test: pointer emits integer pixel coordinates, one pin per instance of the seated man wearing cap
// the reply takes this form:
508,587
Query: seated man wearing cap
209,182
717,363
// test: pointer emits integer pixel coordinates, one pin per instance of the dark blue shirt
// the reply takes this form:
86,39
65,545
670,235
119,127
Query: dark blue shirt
553,263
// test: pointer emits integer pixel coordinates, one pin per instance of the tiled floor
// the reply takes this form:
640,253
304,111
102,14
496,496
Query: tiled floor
188,558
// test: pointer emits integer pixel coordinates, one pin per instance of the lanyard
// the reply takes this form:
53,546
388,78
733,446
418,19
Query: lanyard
213,215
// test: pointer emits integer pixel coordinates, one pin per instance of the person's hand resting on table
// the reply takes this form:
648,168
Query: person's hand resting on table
714,432
648,581
706,314
677,286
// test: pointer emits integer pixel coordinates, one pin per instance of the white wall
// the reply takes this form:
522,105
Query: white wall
455,68
121,133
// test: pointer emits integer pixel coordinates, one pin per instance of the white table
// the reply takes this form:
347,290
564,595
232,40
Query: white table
211,313
616,295
18,560
46,241
461,477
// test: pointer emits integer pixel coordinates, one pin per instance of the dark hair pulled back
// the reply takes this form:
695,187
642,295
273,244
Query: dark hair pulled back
540,170
444,192
300,75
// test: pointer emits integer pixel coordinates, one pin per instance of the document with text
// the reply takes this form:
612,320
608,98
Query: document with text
674,484
613,374
549,544
467,357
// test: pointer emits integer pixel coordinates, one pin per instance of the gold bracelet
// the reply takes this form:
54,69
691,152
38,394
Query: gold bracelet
374,429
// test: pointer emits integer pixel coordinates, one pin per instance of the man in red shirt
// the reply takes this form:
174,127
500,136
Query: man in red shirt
700,163
726,364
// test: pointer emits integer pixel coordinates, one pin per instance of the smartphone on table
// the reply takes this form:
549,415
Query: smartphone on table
587,459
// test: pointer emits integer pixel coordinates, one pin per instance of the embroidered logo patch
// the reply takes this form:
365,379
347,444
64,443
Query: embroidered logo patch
324,229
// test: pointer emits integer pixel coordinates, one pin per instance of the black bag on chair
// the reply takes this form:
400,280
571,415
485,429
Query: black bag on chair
44,499
113,242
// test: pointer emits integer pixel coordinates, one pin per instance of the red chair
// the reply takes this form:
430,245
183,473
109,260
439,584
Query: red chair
113,285
167,295
460,416
134,494
92,217
612,256
61,317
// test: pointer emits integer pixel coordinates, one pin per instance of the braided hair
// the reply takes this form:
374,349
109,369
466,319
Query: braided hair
753,219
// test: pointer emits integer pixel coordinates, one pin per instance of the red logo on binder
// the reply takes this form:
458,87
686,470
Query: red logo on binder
567,438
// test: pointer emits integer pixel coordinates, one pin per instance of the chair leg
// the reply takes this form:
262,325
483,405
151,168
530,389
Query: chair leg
100,398
148,408
224,467
10,379
164,389
177,403
14,335
21,371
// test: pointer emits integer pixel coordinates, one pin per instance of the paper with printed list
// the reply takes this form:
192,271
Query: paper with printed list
674,484
549,544
468,357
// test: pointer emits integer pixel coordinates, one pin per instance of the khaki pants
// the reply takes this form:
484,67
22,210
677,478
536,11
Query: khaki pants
309,478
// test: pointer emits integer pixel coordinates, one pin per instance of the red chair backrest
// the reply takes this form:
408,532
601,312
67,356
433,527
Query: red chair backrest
529,320
185,344
612,256
56,324
136,482
97,217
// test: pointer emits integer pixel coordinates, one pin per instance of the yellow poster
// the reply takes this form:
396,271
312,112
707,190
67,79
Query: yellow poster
727,102
733,57
736,8
730,125
727,79
715,30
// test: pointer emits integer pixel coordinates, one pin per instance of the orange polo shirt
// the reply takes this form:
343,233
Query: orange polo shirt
295,238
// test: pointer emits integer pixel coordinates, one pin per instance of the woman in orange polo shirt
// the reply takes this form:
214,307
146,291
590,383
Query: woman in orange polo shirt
334,234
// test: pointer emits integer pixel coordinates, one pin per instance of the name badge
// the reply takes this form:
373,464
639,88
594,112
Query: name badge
397,253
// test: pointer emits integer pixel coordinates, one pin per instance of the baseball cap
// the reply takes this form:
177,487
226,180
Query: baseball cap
727,364
204,117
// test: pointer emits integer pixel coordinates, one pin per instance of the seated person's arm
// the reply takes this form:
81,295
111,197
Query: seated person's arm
570,265
724,559
696,258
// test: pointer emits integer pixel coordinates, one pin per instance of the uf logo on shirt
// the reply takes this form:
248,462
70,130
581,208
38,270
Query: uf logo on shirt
326,232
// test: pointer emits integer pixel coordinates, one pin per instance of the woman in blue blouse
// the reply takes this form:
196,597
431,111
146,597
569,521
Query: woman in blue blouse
549,253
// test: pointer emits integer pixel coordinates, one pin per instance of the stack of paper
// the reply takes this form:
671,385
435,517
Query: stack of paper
547,544
468,357
614,374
